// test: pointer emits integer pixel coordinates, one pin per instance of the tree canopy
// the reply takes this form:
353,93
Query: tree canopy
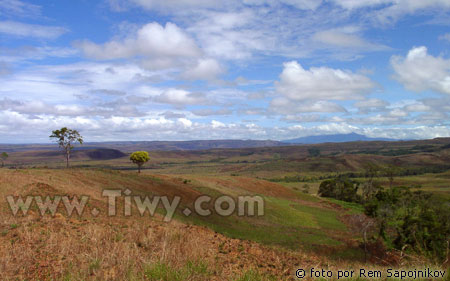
139,158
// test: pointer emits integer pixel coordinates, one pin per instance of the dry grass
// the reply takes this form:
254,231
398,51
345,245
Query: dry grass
55,248
60,248
33,247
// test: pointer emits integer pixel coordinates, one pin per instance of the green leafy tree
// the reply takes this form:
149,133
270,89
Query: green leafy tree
341,189
139,158
66,138
3,158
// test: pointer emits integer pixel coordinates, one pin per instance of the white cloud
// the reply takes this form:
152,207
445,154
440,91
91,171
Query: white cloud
321,83
211,112
420,71
217,124
397,112
40,109
16,8
371,105
185,122
170,4
303,4
31,30
418,107
390,11
287,106
205,69
64,84
354,4
304,118
14,124
180,97
151,40
228,35
29,53
346,38
394,6
417,132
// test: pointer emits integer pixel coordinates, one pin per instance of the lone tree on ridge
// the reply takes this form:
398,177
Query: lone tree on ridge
139,158
66,138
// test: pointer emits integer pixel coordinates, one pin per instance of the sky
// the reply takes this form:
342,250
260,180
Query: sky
119,70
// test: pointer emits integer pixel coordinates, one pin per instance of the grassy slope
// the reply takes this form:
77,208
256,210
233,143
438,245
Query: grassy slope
291,219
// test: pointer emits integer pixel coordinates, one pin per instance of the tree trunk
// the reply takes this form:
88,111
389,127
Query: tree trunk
139,169
3,164
67,159
365,246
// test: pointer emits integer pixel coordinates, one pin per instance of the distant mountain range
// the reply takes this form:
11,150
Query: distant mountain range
334,138
129,146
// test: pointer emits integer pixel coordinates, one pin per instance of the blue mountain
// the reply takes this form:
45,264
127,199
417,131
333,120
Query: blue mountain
335,138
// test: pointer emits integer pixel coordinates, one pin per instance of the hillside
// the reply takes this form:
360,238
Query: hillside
300,230
48,156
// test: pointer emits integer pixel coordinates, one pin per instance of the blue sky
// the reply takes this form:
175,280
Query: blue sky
202,69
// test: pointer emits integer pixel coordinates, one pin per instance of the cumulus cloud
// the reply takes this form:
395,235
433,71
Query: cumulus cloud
371,105
205,69
419,71
417,107
151,40
346,37
172,115
321,83
212,112
178,97
31,30
287,106
158,47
